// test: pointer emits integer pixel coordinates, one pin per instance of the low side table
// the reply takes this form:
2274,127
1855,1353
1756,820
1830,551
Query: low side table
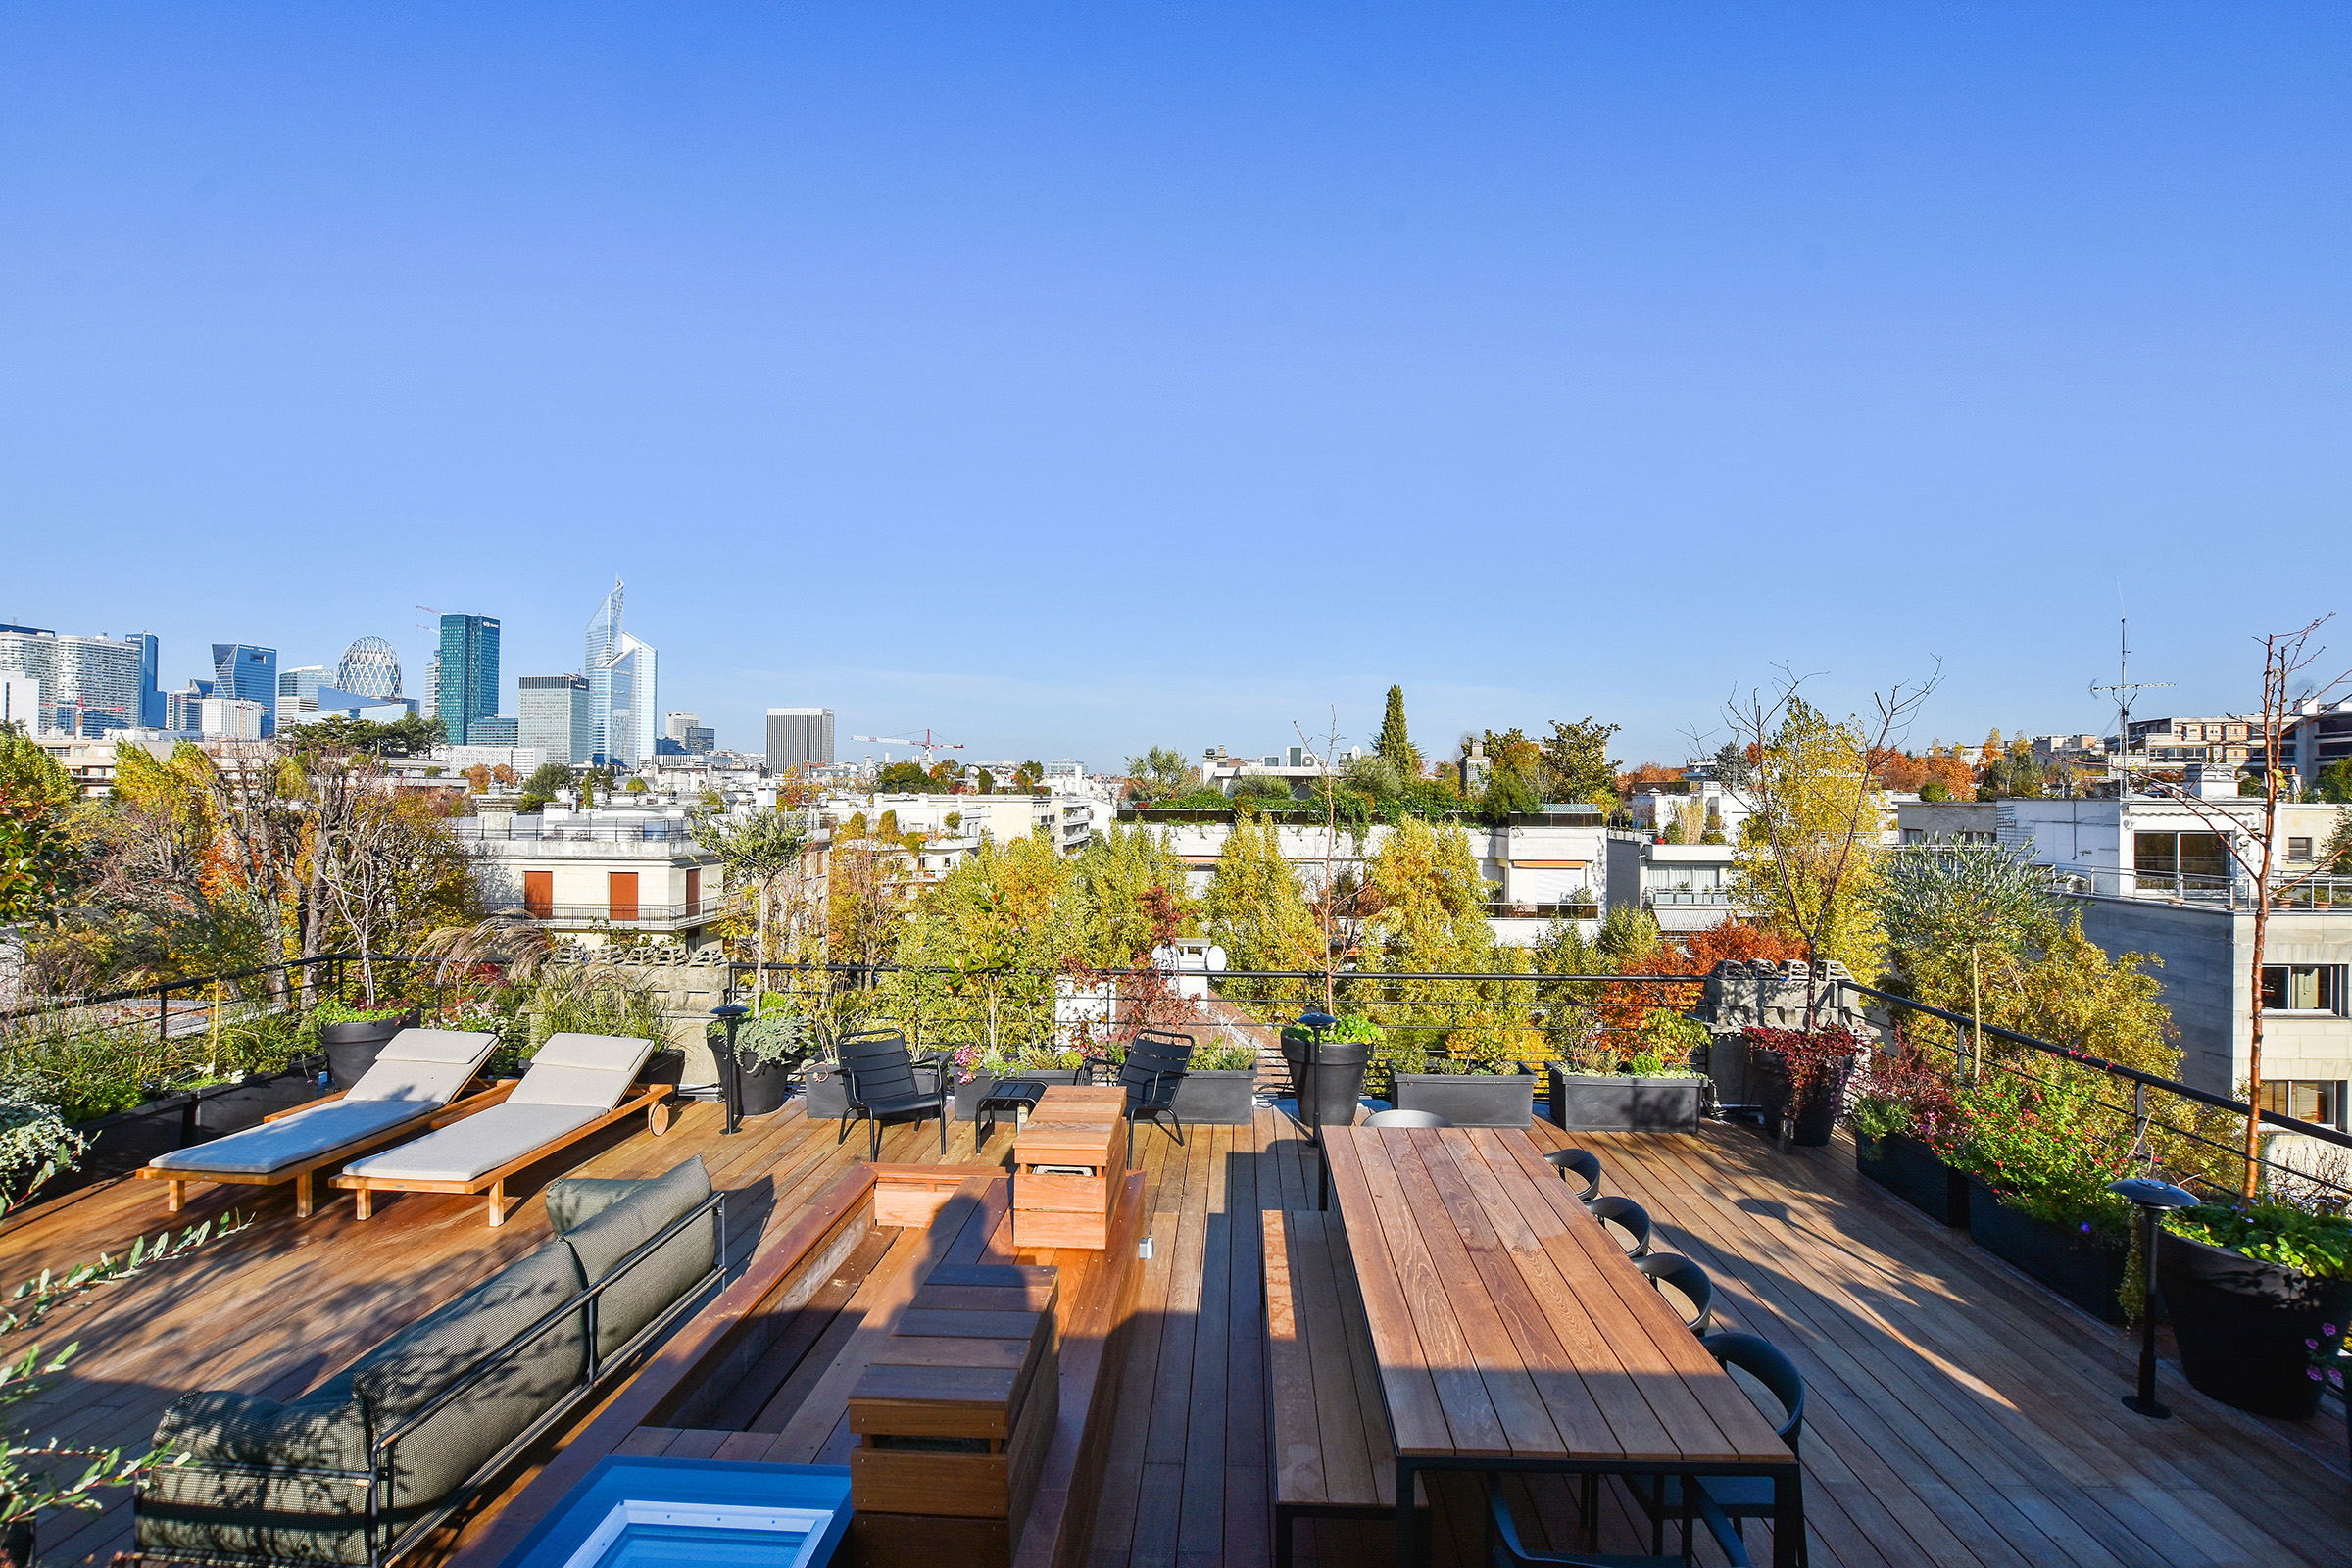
1013,1097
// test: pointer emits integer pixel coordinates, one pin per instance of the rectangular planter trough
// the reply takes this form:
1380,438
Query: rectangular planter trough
1470,1100
2088,1270
1621,1103
1912,1172
1218,1097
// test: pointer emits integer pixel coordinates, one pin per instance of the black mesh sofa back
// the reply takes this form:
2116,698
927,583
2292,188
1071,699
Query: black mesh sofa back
356,1469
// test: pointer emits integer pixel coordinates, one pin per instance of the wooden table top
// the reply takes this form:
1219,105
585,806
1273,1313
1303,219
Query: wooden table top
1506,1322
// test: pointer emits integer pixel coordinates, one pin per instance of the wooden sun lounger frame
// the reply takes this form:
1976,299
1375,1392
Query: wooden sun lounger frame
302,1171
652,1099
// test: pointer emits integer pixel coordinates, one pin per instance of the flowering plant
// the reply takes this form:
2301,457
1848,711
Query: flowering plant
1907,1094
2330,1353
2048,1147
1808,1057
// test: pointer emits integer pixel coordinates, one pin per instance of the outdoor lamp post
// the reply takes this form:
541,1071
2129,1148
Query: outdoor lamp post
2151,1197
1317,1021
730,1073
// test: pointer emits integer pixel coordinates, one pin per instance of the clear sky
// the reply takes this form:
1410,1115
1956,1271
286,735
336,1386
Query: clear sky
1075,380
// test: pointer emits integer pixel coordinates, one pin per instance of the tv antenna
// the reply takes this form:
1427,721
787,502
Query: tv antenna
2123,691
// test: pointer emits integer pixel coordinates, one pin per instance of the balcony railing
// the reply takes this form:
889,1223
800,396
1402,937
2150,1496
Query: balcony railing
693,913
531,829
2206,889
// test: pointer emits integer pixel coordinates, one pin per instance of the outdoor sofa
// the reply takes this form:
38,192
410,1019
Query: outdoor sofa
407,1091
575,1085
363,1466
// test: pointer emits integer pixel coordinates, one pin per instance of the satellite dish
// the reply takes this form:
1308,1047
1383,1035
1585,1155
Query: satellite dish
1216,959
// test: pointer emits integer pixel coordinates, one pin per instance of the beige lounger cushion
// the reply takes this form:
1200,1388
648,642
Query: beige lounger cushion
291,1139
420,1070
483,1141
428,1064
589,1071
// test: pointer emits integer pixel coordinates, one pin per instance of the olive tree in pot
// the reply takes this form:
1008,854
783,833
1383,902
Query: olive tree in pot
769,1048
1805,1076
2254,1294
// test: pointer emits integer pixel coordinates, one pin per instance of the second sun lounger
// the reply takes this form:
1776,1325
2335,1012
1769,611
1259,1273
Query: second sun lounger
407,1091
575,1085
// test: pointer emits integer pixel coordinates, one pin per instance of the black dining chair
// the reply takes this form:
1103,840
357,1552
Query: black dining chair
1151,1073
879,1083
1626,1221
1574,1163
1507,1548
1687,1278
1740,1498
1405,1118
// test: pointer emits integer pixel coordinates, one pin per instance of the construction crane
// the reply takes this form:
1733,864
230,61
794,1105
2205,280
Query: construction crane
430,611
927,744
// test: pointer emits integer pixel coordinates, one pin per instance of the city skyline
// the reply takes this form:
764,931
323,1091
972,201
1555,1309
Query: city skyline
1542,361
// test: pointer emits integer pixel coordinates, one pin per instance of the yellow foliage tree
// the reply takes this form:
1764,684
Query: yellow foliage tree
1257,912
1810,853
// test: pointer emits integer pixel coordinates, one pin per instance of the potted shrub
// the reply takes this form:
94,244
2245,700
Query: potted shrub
769,1047
1803,1076
2252,1293
1904,1117
1476,1080
2038,1157
1340,1066
354,1037
1651,1089
1220,1087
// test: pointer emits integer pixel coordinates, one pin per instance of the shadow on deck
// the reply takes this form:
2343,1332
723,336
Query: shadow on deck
1959,1414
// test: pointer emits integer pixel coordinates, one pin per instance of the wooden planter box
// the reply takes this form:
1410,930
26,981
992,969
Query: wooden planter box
2086,1269
1621,1103
1916,1174
1470,1100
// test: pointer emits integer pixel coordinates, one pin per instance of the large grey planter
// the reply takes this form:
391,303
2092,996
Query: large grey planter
1470,1100
352,1048
1219,1097
1621,1103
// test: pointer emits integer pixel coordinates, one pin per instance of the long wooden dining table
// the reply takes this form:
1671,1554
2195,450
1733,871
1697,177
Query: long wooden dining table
1514,1334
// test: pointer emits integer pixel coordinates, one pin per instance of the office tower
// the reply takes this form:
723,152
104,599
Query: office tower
298,689
469,674
798,737
246,673
688,731
20,701
432,687
556,718
151,696
370,669
488,729
231,718
88,684
622,688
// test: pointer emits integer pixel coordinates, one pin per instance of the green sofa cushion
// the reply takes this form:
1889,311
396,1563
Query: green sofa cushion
291,1517
573,1201
627,1222
400,1376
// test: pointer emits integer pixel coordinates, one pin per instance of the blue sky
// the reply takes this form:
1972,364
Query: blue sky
1072,380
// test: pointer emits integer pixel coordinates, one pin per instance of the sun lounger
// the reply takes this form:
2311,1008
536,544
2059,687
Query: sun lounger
577,1084
407,1091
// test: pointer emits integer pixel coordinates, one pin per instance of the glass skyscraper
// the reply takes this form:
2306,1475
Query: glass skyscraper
249,674
556,718
468,675
88,684
622,688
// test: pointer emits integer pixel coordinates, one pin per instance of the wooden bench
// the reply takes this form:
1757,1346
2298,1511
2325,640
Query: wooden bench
1332,1458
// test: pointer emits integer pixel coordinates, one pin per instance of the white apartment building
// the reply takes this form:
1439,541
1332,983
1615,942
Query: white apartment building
591,874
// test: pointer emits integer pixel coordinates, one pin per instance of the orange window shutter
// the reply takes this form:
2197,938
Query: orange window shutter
621,895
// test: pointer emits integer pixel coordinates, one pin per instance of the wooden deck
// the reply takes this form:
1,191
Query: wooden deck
1959,1414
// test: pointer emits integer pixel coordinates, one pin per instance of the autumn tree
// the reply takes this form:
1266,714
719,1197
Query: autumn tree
1111,880
1257,910
987,942
1576,764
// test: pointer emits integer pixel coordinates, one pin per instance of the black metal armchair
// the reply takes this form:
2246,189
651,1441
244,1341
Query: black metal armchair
880,1084
1574,1164
1507,1548
1737,1498
1156,1062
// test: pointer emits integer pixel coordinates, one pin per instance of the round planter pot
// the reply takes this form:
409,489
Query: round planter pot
2242,1324
763,1086
1811,1123
1338,1081
352,1048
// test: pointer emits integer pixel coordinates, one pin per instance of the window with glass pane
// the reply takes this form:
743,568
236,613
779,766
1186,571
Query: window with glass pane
2298,848
2203,854
2303,987
2156,852
2315,1100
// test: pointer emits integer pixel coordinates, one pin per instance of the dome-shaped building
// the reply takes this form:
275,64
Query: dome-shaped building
370,668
